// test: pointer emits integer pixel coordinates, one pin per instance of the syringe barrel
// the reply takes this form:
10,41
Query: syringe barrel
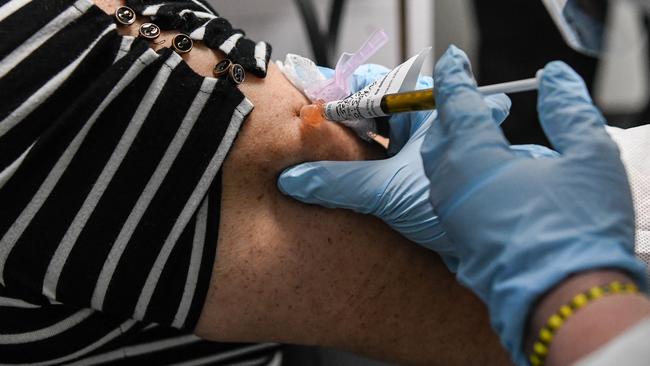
417,100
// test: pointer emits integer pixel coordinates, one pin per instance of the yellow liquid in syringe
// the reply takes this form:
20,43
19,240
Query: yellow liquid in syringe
418,100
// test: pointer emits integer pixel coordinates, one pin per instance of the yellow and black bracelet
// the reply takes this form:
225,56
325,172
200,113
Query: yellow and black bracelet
555,321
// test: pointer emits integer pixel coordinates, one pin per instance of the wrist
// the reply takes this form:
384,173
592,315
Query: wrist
591,326
562,294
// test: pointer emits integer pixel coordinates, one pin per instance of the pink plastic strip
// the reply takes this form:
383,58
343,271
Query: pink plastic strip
338,87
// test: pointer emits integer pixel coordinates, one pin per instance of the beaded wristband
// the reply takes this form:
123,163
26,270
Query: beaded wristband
555,321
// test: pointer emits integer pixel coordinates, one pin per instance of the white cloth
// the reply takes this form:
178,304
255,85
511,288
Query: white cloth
629,349
634,144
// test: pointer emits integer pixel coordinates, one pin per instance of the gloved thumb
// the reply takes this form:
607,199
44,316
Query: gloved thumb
353,185
499,105
572,123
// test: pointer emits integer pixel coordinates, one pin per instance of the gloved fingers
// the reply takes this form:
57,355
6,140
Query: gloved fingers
365,75
354,185
326,72
462,110
405,127
362,76
499,105
534,151
465,141
402,126
451,262
434,160
572,123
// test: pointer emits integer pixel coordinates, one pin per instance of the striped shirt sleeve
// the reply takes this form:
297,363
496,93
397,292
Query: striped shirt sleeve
36,333
110,161
202,23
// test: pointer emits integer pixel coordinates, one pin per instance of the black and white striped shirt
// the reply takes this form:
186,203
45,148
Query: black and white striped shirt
110,160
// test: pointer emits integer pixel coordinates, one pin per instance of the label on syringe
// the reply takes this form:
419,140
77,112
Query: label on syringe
366,103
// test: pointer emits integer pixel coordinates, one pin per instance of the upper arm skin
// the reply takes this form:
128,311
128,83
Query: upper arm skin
289,272
296,273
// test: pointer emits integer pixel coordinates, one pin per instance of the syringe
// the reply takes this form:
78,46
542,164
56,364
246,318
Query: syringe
417,100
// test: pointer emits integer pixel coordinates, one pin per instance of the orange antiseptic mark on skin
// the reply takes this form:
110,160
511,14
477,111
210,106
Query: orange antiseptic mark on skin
312,114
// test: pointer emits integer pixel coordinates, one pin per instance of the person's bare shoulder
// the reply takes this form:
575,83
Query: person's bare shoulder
296,273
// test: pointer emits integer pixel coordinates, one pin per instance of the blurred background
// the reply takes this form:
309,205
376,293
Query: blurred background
505,39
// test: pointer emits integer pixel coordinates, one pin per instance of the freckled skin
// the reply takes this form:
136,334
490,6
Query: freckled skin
321,276
294,273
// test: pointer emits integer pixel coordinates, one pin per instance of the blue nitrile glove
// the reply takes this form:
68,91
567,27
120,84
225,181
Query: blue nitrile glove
521,225
396,189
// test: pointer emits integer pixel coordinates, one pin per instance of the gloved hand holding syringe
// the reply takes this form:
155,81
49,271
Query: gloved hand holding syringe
409,101
393,93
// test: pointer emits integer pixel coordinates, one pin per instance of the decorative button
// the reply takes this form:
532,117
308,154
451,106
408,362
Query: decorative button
125,15
221,69
149,31
237,73
182,43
